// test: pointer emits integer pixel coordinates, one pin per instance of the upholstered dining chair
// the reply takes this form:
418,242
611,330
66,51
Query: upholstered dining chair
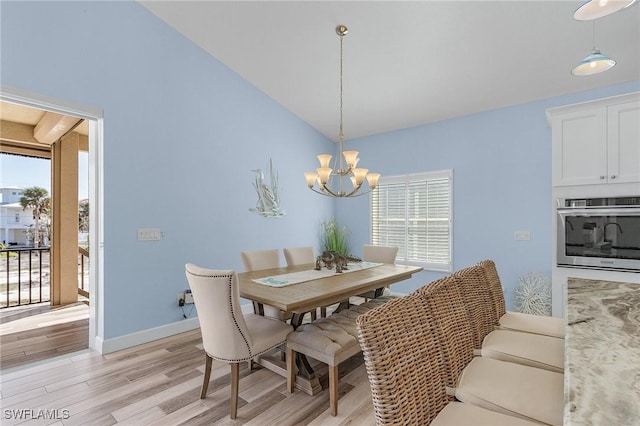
378,254
263,259
382,254
298,255
227,334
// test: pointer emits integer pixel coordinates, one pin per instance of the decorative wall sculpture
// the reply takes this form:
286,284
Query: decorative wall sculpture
268,204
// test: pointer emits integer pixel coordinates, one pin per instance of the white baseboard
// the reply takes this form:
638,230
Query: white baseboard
145,336
149,335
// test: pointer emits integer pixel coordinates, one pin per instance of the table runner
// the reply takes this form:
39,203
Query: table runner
302,276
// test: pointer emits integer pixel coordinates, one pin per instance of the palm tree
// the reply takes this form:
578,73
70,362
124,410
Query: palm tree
83,215
36,198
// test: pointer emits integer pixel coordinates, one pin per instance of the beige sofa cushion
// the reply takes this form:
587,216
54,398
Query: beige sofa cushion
458,414
534,350
537,324
513,389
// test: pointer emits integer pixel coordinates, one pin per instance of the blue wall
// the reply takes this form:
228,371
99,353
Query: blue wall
181,134
501,163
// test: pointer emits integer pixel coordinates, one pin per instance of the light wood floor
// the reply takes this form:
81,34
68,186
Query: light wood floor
159,384
37,332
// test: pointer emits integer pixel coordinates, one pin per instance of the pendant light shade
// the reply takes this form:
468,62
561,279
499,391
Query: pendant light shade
594,9
594,63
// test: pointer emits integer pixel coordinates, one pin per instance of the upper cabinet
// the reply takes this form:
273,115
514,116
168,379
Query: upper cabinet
596,142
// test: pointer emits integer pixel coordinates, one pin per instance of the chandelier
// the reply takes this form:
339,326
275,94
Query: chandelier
325,176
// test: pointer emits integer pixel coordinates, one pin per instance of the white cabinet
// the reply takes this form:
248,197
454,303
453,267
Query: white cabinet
596,142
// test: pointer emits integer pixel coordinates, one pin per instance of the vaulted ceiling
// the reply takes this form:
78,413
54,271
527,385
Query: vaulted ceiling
406,63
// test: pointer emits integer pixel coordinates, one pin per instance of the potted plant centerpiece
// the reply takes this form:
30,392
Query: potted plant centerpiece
335,247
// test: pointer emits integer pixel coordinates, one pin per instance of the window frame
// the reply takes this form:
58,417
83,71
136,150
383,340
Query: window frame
406,180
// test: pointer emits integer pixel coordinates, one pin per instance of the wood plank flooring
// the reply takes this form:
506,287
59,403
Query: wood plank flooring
159,384
37,332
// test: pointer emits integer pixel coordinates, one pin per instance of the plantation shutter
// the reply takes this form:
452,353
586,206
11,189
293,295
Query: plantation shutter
413,213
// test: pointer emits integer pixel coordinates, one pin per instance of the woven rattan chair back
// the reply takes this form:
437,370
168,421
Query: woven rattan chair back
403,362
453,328
476,297
495,287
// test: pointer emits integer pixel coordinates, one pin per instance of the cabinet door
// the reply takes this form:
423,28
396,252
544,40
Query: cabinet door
624,143
580,147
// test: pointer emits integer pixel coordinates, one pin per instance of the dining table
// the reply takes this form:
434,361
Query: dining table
315,290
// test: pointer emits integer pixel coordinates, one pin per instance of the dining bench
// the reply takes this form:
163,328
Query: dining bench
330,340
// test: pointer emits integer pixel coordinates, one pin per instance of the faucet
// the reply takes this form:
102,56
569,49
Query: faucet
605,230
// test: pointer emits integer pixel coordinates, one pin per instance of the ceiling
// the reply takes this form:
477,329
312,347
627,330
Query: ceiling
405,63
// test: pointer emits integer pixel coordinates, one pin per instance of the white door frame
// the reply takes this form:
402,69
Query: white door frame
94,117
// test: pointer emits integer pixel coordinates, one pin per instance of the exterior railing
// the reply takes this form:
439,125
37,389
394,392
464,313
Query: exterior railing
83,271
25,276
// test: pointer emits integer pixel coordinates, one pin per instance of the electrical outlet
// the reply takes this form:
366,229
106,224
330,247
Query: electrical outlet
522,235
185,298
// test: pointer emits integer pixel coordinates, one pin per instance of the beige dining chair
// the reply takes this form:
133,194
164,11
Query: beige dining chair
299,255
263,259
378,254
381,254
227,334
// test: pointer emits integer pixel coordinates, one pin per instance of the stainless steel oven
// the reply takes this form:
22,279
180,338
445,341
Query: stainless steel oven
602,233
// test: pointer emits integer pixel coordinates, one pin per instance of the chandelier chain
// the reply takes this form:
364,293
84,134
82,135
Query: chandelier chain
357,176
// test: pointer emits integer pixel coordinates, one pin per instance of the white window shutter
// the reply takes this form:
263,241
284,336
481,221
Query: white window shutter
413,212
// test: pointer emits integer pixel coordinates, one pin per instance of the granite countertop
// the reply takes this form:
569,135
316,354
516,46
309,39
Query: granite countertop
602,353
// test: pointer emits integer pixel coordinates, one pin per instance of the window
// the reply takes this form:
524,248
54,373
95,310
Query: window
414,213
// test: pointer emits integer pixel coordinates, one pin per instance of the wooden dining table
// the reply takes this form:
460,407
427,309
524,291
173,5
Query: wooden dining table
303,297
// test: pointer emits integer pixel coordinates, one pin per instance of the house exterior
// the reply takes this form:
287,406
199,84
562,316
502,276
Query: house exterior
14,220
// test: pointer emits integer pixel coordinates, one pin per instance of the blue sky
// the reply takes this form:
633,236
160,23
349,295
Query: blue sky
25,172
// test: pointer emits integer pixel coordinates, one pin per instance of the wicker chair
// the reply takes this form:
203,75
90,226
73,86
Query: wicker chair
530,393
536,324
508,345
228,335
405,368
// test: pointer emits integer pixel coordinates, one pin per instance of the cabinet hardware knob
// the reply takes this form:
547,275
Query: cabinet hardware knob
602,177
613,176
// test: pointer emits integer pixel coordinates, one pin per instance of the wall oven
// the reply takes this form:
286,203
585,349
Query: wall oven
602,233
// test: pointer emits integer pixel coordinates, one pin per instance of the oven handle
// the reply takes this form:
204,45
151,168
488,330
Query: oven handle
595,211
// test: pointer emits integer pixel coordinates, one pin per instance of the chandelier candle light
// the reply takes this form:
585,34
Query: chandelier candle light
322,176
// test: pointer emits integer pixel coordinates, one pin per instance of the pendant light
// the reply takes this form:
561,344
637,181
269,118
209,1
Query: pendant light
594,9
594,63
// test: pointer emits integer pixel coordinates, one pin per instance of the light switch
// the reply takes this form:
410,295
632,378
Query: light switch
522,235
149,235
